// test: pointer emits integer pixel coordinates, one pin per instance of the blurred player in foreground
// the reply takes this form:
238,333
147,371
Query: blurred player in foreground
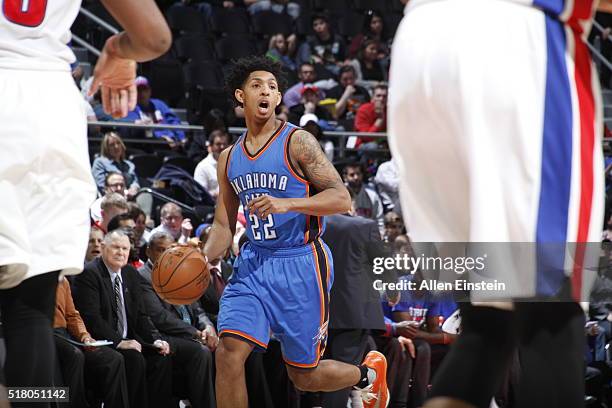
46,184
495,124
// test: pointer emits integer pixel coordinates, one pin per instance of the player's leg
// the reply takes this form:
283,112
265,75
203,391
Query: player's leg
475,365
243,326
329,375
230,382
27,318
297,301
551,348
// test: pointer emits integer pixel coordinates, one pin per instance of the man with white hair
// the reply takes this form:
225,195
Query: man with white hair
109,298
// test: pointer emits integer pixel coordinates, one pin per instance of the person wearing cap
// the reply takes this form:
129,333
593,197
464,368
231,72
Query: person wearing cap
307,75
309,108
155,111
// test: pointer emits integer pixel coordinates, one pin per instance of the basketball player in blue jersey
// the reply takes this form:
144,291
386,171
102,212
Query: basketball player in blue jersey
495,124
282,278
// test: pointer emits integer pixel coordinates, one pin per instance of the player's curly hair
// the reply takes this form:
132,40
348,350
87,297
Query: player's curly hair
240,70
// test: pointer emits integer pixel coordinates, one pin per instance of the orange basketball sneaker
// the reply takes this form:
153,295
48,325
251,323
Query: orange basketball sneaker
376,395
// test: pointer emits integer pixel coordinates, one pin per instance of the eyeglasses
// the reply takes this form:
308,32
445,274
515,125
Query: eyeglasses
117,185
172,217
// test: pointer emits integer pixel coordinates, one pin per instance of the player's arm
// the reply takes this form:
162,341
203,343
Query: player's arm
146,37
224,226
332,196
146,34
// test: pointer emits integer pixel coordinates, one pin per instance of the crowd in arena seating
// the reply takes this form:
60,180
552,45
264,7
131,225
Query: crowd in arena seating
338,63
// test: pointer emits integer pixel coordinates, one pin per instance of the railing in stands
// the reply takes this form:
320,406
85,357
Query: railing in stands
108,27
342,136
86,45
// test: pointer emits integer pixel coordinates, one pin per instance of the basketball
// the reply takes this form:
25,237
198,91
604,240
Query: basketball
180,276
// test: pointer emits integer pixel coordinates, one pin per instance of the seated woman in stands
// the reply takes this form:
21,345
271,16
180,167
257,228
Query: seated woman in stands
112,159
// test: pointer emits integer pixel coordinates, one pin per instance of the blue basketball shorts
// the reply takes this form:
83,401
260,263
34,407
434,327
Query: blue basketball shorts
284,293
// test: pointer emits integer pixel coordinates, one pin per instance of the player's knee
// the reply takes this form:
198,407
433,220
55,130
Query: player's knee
303,380
229,360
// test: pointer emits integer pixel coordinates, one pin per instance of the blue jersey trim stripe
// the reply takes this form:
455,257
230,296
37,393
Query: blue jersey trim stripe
554,7
556,175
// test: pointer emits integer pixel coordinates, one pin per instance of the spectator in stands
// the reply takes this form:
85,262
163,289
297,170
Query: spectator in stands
324,48
190,333
372,116
606,235
373,29
109,297
173,223
206,171
155,111
112,159
198,145
394,227
125,223
141,235
369,66
307,75
408,317
366,201
309,105
113,183
387,182
112,204
278,6
349,96
94,245
354,303
282,49
101,367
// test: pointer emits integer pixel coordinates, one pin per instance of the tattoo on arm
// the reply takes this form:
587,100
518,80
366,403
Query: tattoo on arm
309,155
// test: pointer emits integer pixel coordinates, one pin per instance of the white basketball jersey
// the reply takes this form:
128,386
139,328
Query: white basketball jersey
34,34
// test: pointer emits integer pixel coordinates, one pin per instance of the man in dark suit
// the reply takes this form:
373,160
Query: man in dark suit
354,303
109,297
190,333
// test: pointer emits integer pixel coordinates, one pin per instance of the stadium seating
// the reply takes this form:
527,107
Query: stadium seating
233,47
194,48
230,21
267,23
185,20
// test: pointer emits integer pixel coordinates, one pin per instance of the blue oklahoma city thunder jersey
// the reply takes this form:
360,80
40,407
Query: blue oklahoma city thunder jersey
269,171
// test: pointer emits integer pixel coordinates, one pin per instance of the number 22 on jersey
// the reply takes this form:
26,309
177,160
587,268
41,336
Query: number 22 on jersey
267,227
29,13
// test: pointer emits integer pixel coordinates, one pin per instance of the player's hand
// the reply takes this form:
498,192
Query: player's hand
265,205
186,228
163,347
130,345
407,345
406,329
210,338
115,76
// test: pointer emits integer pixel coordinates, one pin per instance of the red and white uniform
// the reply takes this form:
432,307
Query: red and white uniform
495,123
46,185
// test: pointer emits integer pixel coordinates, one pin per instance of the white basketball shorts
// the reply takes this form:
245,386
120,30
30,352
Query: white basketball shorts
495,122
46,186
